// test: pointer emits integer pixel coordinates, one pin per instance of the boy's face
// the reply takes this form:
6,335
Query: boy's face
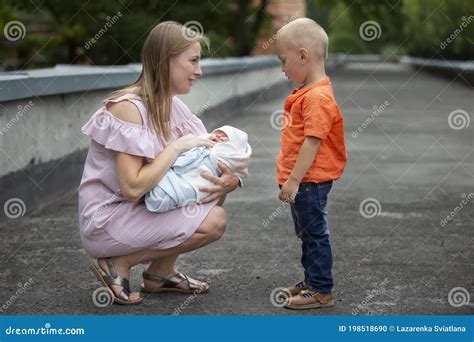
291,62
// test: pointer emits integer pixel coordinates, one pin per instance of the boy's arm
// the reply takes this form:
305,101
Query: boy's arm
306,156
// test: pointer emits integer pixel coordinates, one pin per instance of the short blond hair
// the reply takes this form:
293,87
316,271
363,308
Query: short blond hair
305,33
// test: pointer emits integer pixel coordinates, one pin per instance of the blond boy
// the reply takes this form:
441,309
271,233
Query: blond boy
311,157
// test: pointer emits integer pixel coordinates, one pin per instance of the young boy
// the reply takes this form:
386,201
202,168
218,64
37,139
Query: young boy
311,157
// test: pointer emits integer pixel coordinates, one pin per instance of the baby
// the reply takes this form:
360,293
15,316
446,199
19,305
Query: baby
180,185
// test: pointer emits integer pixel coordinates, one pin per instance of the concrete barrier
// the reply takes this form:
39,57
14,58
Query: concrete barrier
460,70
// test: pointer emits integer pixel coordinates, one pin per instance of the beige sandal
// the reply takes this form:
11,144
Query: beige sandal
179,283
107,280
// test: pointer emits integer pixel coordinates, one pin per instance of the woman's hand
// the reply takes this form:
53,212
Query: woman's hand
189,141
224,184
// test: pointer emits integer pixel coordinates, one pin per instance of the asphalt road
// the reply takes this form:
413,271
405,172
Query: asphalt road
406,161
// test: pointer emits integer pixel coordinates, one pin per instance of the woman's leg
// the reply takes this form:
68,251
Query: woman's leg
164,266
211,229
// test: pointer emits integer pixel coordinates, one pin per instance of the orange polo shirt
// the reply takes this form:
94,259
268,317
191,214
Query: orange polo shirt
313,111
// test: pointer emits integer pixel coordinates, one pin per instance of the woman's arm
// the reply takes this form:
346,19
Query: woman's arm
135,178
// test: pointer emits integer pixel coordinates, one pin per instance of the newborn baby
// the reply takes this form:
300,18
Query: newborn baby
180,185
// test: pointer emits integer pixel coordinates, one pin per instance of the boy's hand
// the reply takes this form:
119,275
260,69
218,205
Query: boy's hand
288,191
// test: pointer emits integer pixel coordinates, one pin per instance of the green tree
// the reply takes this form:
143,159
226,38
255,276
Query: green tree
439,29
80,32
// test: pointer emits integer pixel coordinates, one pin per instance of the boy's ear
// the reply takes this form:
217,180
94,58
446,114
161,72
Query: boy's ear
304,56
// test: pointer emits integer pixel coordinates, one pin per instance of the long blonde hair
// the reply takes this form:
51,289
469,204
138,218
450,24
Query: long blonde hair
166,40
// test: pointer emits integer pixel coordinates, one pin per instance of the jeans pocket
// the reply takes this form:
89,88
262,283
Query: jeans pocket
323,191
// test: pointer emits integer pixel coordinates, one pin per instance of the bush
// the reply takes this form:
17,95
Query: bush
439,29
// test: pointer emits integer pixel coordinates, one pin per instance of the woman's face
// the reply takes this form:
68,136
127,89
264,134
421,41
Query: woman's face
184,69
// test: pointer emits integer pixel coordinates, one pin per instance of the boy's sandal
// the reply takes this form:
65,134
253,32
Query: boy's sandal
107,280
179,283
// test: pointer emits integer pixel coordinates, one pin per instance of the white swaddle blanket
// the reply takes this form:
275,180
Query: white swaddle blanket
180,185
235,154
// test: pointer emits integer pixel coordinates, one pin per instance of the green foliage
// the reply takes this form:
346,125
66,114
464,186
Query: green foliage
77,31
82,32
343,37
439,29
416,27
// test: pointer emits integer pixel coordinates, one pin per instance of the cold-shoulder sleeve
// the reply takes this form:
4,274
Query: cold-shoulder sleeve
121,136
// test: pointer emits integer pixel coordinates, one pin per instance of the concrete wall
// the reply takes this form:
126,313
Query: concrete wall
42,149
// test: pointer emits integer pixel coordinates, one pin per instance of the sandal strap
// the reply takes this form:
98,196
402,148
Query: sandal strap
111,266
113,279
172,282
180,278
153,277
118,281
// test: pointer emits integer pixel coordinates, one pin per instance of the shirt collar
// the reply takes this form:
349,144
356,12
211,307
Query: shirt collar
304,89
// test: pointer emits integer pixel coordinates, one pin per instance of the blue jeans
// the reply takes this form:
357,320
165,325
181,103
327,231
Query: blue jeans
310,216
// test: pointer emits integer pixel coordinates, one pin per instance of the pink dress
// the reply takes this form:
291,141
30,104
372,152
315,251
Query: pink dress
109,224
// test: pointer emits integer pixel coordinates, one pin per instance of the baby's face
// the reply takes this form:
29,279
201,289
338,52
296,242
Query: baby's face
218,136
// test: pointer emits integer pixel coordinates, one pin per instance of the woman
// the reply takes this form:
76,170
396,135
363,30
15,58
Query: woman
135,138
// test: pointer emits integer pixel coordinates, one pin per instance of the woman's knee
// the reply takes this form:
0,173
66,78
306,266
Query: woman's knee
217,223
